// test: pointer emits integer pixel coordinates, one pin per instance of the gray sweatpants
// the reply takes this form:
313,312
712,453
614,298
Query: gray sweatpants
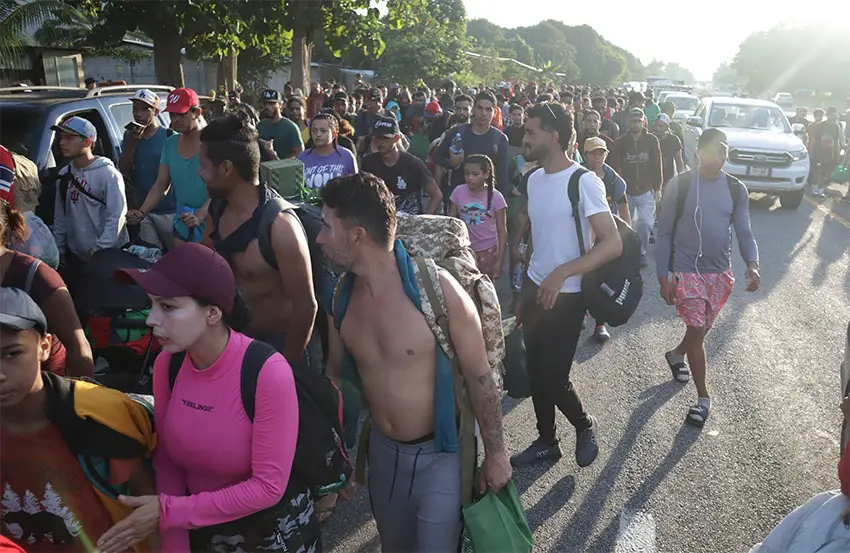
415,494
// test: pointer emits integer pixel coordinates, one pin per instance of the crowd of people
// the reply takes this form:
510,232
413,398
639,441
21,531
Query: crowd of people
238,270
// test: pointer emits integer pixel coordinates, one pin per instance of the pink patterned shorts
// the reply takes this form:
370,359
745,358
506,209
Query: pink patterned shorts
699,298
487,259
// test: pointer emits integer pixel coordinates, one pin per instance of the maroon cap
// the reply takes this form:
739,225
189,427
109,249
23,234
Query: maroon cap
190,269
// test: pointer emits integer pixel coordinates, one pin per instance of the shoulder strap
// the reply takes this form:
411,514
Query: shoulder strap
255,357
264,239
174,365
33,268
735,186
683,186
169,132
573,192
466,433
70,180
252,363
341,297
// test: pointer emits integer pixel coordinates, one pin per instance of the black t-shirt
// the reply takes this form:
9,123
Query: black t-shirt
823,137
514,135
670,144
405,179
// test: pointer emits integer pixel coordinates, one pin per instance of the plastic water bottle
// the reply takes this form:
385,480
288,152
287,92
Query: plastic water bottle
151,255
457,144
519,273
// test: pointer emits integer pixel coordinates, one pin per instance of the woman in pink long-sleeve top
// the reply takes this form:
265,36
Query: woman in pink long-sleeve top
221,478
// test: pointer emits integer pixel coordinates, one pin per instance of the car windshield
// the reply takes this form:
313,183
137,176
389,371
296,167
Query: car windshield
683,103
766,118
19,129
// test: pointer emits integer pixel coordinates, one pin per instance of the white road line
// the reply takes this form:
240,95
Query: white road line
636,533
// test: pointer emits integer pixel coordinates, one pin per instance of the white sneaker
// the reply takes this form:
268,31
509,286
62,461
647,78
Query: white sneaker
817,191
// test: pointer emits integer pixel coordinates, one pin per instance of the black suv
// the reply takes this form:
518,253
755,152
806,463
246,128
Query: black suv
27,113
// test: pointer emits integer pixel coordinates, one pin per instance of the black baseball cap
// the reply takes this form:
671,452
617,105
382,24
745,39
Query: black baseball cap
339,96
19,311
271,95
375,95
385,126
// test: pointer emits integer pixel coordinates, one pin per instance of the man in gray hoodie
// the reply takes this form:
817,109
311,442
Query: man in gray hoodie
90,200
693,256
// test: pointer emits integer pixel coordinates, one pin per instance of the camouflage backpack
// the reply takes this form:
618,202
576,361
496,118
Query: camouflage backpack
445,240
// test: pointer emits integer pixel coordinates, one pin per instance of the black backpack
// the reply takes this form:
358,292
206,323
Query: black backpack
310,217
321,461
612,292
736,188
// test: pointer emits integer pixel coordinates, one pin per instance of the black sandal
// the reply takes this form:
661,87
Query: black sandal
681,371
697,415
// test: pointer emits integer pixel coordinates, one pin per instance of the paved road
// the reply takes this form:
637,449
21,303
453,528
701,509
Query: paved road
772,441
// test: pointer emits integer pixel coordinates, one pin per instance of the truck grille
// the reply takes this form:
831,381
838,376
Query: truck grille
760,159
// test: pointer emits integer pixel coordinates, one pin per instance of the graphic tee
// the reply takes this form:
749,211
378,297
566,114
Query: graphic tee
405,179
479,220
48,504
319,169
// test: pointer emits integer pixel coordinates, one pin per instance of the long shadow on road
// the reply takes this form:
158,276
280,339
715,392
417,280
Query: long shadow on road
685,438
587,514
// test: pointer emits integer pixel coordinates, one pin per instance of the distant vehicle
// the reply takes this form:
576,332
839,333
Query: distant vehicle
686,105
764,152
783,99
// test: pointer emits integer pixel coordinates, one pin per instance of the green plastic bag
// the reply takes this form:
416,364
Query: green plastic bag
516,376
496,523
840,175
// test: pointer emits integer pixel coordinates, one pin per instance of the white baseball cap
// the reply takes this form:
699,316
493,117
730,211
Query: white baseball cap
147,96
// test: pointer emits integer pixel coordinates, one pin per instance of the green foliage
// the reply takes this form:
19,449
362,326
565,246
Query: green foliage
429,47
726,77
19,16
788,58
578,52
672,70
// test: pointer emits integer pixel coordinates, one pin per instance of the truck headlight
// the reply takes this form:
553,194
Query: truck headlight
799,155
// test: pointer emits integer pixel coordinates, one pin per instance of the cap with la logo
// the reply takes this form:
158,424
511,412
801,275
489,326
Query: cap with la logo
181,100
148,97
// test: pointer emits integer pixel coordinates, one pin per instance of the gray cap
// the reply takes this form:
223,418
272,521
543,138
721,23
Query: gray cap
19,311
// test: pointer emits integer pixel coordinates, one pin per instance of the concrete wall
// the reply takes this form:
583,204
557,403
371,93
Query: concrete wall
199,75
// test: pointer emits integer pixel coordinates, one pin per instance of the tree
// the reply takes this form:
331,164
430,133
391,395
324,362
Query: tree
17,17
726,77
11,501
430,48
52,503
30,504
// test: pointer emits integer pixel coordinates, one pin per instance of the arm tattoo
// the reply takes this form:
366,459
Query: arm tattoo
487,406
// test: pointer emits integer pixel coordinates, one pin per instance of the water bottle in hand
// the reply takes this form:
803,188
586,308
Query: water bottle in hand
457,144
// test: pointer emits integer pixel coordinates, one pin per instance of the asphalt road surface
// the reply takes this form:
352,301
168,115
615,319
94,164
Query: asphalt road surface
771,443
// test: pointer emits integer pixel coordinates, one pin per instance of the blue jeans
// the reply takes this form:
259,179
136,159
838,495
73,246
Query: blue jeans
642,210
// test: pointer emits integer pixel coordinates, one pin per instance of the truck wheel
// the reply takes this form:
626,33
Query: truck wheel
791,200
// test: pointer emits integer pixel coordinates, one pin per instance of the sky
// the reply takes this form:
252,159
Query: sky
697,35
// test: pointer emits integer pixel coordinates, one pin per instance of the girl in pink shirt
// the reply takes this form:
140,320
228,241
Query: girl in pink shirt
218,474
483,209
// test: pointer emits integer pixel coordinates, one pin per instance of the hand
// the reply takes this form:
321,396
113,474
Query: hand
140,524
668,291
515,256
138,132
135,216
495,472
550,288
845,407
497,272
753,278
455,160
192,220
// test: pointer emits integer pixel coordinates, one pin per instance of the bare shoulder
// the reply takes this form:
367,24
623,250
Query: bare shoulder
286,228
457,300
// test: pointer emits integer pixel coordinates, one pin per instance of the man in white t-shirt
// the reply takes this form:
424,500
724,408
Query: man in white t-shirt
551,306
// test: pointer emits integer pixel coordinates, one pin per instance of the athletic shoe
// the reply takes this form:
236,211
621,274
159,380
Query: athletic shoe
586,447
818,192
538,452
601,334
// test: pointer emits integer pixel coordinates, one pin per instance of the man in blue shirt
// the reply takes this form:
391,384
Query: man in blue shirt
139,162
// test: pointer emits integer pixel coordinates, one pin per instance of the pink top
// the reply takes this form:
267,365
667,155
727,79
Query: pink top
208,447
480,221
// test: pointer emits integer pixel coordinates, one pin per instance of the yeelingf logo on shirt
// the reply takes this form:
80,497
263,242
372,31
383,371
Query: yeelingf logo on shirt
198,406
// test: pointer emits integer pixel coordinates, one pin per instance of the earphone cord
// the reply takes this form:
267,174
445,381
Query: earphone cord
698,225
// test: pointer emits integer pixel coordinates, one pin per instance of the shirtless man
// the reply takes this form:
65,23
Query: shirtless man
282,302
415,487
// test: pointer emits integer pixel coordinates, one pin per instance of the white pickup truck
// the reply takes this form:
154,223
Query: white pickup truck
764,152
